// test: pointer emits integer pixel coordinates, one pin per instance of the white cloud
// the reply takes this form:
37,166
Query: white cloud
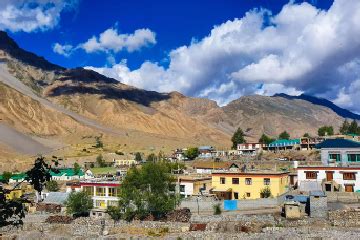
303,49
65,50
32,15
111,40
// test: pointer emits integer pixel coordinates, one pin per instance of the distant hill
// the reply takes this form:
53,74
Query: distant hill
323,102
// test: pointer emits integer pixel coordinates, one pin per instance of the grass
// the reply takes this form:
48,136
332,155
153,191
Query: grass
103,170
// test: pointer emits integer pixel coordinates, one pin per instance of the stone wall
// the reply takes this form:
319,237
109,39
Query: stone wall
345,218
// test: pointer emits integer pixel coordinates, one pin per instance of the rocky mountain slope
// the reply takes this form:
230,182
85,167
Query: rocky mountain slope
41,99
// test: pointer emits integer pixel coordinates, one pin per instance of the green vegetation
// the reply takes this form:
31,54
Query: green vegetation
266,139
192,153
350,128
265,192
306,135
6,176
151,157
100,161
217,209
284,135
326,131
145,191
103,170
76,168
238,138
52,186
78,203
138,157
98,142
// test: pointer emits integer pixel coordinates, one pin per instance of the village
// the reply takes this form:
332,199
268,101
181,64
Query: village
257,188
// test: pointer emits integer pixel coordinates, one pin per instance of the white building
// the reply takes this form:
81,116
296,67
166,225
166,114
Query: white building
249,148
330,179
103,193
194,185
339,152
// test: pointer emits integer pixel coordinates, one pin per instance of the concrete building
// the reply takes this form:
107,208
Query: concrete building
294,210
339,152
103,193
249,149
329,179
207,152
283,145
67,174
208,167
194,185
232,185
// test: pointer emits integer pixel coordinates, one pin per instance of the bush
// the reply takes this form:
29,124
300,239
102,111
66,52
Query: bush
78,203
52,186
265,192
217,209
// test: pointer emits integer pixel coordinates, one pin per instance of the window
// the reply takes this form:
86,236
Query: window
235,181
248,181
248,194
99,203
182,188
112,192
89,190
311,175
100,191
353,157
335,157
222,180
236,195
266,181
349,176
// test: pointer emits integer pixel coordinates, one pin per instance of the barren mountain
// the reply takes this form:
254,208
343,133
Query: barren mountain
41,99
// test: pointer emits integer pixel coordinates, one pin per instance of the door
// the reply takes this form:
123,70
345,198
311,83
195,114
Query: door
329,176
349,188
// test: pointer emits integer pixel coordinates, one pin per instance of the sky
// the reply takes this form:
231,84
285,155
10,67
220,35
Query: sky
220,50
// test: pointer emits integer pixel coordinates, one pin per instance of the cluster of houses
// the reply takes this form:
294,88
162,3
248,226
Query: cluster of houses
338,171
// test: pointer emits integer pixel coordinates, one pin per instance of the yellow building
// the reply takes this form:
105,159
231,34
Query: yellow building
125,162
248,185
14,194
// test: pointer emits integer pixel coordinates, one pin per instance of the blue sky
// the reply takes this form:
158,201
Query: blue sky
220,50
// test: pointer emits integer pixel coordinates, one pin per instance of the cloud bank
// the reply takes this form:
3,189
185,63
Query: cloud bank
300,49
32,15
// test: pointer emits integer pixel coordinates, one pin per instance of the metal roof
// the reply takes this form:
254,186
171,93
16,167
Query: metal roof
338,143
56,198
284,142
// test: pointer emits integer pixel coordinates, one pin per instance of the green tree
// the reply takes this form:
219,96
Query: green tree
306,135
78,203
151,157
98,142
150,189
238,138
52,186
265,139
138,157
217,209
265,192
284,135
76,168
100,161
115,213
192,153
6,176
353,128
344,129
326,131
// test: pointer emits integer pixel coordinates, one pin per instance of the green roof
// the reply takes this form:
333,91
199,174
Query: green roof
69,172
284,142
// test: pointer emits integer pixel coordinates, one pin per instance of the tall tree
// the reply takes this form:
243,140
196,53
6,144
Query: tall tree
265,139
150,189
237,138
52,186
326,131
192,153
284,135
78,203
76,168
138,157
344,129
353,128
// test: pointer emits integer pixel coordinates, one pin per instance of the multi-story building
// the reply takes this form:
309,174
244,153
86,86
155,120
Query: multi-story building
249,148
103,193
67,174
193,185
207,152
339,152
125,162
248,185
283,145
329,179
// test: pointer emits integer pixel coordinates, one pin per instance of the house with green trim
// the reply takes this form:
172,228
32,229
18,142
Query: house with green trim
339,152
283,144
15,178
66,174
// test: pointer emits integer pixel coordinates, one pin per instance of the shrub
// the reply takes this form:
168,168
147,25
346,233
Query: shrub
217,209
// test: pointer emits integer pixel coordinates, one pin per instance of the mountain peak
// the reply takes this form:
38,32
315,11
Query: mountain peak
322,102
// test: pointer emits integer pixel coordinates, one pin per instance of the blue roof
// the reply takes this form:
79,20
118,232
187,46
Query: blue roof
284,142
338,143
